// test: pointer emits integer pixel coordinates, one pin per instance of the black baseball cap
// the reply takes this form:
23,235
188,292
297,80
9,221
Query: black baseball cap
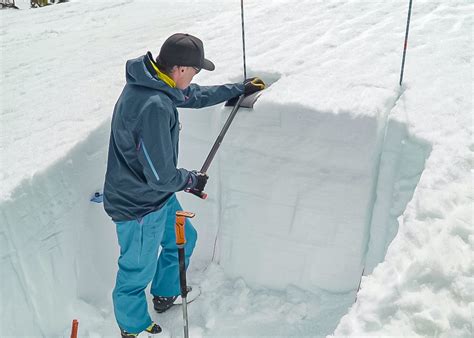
184,50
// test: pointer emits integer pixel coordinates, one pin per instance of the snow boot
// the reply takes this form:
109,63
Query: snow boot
150,331
162,304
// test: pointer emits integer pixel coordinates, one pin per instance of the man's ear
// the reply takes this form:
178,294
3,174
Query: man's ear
175,73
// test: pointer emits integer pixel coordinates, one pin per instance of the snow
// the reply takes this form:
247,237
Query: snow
337,171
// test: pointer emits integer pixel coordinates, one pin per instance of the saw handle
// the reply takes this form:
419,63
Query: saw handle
179,226
198,193
180,242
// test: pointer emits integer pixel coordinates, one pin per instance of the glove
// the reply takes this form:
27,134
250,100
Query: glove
199,180
252,85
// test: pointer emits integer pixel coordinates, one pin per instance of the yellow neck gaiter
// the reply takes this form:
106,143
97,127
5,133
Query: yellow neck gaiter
166,79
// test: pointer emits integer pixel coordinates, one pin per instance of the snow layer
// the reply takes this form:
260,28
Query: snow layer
309,188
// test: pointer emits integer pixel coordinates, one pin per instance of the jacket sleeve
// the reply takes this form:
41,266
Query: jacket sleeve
204,96
156,151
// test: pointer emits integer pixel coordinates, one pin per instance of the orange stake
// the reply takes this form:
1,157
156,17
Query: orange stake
75,325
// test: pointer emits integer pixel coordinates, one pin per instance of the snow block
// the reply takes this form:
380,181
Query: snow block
298,193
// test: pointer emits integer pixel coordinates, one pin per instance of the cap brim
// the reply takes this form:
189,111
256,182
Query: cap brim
208,65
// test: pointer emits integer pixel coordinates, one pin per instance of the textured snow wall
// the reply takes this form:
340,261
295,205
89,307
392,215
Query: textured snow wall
56,246
306,195
400,166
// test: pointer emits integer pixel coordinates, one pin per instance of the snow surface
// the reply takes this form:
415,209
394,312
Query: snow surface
335,173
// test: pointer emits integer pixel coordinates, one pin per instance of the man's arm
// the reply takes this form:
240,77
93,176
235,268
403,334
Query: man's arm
205,96
155,152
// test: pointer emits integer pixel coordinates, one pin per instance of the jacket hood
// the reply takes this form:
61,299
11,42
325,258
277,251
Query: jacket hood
139,72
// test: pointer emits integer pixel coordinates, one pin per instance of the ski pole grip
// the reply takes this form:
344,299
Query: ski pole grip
198,193
179,226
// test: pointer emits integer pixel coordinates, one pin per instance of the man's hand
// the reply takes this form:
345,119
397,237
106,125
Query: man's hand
252,85
197,183
201,181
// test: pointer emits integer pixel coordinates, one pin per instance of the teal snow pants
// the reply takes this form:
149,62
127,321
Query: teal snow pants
139,264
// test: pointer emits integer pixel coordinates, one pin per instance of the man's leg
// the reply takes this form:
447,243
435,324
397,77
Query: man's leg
166,280
139,242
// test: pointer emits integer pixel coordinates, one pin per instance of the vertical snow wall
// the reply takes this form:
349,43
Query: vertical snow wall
310,198
58,250
297,196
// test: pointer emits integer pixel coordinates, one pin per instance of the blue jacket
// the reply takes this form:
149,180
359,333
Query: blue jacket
143,150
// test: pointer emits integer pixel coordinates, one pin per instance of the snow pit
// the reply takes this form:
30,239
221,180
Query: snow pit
299,200
341,59
311,199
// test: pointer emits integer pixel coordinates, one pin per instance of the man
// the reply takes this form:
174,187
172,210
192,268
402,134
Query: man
142,178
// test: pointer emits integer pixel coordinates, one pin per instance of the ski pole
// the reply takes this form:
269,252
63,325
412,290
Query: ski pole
180,242
405,44
243,36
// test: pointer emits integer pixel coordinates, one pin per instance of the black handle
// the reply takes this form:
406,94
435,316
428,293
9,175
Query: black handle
198,193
